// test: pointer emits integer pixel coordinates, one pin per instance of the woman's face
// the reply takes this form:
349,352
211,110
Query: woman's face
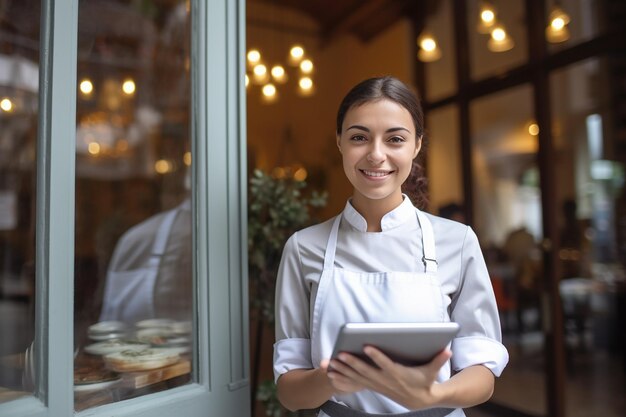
378,144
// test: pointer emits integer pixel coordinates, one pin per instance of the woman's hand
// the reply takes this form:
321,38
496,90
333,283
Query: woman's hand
411,387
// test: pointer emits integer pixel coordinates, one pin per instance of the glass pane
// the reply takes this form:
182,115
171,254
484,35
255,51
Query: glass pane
444,163
500,44
593,281
19,91
508,222
581,20
133,265
440,74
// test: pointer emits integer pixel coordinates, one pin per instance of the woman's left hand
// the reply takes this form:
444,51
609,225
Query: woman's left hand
411,387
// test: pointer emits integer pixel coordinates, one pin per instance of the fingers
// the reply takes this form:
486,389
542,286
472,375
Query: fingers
324,364
378,357
439,360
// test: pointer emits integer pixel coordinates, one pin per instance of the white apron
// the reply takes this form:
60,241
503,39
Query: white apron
394,296
129,295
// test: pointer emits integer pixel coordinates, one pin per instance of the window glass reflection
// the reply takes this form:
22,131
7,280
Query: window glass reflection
19,91
593,281
133,266
507,218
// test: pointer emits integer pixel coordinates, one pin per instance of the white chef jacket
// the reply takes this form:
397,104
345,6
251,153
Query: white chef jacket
467,293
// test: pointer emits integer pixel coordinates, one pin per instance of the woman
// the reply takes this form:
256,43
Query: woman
383,260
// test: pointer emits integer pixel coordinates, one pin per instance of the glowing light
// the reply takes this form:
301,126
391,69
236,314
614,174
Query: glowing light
300,174
187,158
254,56
269,93
86,87
500,41
93,148
260,74
557,30
247,80
128,87
306,66
533,129
162,166
429,51
269,90
6,105
487,18
296,53
278,74
306,83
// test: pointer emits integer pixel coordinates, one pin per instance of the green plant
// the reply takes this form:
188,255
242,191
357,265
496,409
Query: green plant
277,208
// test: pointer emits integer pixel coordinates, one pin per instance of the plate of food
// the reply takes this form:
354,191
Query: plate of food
89,378
115,345
151,323
141,360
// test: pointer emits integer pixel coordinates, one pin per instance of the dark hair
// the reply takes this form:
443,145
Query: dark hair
383,88
390,88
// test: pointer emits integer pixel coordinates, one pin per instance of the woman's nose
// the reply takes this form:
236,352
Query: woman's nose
375,155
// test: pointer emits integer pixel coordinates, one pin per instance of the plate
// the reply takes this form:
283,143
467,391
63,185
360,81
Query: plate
95,386
89,378
107,327
141,360
106,336
149,323
115,345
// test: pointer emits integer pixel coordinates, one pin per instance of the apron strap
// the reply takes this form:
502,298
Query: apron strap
334,409
329,255
428,243
160,241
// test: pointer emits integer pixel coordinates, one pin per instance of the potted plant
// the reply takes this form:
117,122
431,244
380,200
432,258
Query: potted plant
277,208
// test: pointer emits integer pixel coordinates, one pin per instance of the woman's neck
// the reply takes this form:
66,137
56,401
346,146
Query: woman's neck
373,211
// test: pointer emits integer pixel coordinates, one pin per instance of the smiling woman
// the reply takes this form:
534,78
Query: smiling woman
360,267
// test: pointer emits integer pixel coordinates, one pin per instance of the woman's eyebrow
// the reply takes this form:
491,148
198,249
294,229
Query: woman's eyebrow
390,130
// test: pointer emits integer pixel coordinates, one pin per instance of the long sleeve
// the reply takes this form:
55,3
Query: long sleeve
475,309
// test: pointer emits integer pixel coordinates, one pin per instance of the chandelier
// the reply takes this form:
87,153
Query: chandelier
268,78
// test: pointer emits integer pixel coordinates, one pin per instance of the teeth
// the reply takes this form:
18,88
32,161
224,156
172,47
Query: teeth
376,173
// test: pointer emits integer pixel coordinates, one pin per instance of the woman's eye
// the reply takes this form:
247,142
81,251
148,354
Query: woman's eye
396,139
358,138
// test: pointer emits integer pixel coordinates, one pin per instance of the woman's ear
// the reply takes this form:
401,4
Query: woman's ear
339,142
418,146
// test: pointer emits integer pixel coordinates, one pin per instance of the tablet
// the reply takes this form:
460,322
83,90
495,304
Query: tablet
410,344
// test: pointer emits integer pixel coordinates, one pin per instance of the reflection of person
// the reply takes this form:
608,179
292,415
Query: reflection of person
150,272
521,252
574,244
383,260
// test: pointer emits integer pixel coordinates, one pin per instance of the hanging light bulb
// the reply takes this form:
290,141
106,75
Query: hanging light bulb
6,105
278,74
428,51
305,86
500,41
260,74
306,66
296,53
557,30
254,57
486,18
269,93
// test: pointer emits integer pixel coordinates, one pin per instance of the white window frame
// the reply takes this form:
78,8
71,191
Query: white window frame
221,365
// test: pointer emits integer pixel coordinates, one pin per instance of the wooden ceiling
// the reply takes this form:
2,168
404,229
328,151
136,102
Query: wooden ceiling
362,18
